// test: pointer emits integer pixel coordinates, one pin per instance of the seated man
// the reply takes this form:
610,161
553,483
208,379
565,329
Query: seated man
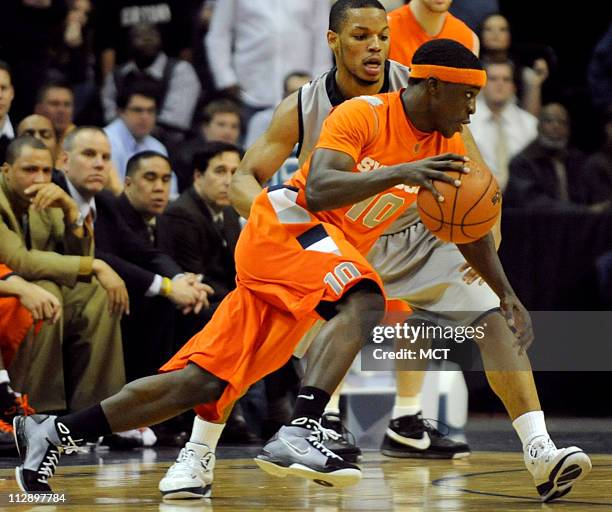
22,304
203,225
145,198
77,360
147,272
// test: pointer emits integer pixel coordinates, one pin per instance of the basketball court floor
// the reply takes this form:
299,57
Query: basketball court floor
492,479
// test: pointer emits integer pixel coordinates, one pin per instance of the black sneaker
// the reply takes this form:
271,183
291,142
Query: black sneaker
413,437
40,445
344,445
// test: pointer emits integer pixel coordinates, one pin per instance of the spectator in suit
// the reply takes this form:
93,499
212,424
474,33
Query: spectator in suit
220,121
500,127
147,271
7,93
131,132
204,226
179,87
145,198
146,195
549,172
44,238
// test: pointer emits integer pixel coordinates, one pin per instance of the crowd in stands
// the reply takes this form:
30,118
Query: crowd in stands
121,125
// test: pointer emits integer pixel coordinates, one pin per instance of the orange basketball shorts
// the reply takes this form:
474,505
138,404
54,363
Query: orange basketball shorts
283,273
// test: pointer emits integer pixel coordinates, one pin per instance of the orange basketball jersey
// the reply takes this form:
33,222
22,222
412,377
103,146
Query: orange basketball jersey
375,132
407,34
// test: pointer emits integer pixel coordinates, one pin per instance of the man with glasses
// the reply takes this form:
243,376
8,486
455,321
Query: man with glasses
130,133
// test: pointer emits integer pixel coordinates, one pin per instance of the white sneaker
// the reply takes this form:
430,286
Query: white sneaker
191,476
555,470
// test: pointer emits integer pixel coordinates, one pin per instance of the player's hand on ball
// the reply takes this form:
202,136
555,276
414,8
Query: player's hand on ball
424,172
470,275
519,322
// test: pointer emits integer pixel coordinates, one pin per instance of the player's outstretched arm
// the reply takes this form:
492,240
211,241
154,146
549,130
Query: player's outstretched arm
483,258
266,155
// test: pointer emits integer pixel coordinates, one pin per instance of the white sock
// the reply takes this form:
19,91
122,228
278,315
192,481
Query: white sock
206,433
406,406
334,404
530,425
4,377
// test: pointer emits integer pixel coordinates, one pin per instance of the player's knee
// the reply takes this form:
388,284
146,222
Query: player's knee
365,307
200,386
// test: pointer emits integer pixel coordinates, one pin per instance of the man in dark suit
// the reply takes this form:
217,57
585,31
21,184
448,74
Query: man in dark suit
549,172
204,226
145,198
148,272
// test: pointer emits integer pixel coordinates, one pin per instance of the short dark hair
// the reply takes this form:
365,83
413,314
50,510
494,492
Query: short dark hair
444,52
51,84
146,88
133,163
4,66
14,149
338,15
220,106
68,142
210,150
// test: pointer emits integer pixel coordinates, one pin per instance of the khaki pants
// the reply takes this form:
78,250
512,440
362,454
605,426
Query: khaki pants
78,361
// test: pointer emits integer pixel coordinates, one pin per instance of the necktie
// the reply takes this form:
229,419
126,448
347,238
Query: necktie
562,189
25,228
218,220
89,221
151,230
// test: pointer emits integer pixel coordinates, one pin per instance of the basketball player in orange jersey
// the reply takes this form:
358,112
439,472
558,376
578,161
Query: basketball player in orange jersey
301,258
407,257
423,20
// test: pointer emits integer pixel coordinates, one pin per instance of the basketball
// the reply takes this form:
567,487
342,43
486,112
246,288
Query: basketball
468,212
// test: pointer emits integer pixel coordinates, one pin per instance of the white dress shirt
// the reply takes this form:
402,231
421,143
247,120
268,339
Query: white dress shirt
124,146
519,126
7,129
255,44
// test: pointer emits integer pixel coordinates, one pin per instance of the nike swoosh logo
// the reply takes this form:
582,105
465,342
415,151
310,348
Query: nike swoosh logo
306,397
419,444
295,449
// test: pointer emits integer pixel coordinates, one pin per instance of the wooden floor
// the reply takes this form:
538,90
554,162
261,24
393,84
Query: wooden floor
487,481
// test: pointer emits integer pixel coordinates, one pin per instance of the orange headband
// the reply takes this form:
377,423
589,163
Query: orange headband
475,77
